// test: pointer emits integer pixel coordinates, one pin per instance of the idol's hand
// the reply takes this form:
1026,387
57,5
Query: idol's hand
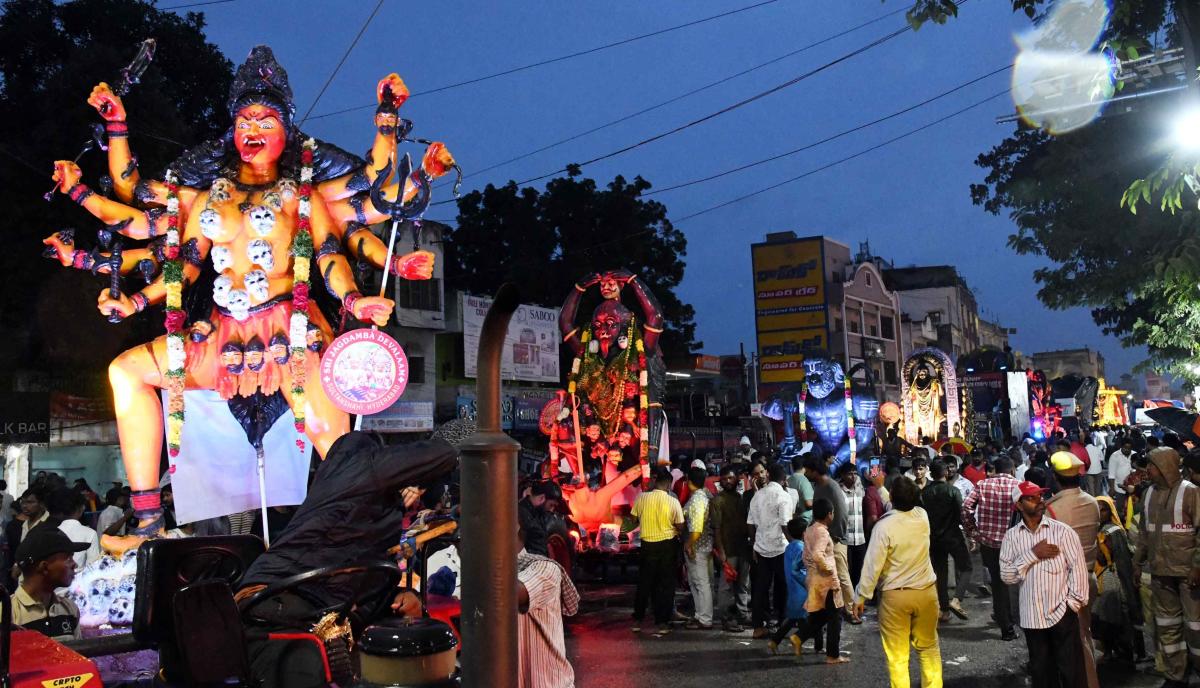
107,103
373,309
399,90
67,174
107,304
437,160
622,276
62,248
417,265
588,281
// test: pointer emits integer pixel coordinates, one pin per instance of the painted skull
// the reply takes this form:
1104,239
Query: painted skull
120,612
280,351
210,223
259,252
222,258
257,286
262,220
222,285
233,357
609,319
823,377
239,304
221,190
255,358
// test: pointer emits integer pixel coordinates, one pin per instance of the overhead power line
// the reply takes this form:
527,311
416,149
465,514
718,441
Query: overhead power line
560,58
194,4
690,93
834,137
848,158
342,61
730,108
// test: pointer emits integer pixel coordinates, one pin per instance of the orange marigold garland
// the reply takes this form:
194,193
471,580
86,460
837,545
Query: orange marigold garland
302,253
174,319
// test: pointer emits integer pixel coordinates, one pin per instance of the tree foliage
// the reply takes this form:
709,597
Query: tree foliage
51,54
545,241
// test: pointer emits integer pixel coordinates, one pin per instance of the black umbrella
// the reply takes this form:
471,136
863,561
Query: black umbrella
1183,423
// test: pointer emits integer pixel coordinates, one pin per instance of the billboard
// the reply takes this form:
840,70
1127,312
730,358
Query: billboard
402,416
790,310
989,400
530,348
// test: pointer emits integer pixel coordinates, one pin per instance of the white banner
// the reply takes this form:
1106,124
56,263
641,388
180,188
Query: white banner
216,472
530,349
402,416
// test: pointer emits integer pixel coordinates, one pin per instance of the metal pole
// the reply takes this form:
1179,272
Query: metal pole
262,492
387,268
489,520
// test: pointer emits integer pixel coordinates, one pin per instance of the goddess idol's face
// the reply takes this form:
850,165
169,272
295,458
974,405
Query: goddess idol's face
259,135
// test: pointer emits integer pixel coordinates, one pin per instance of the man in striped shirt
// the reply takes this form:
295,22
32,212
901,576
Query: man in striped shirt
1045,558
986,514
545,595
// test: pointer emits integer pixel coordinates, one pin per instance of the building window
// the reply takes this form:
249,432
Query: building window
837,324
889,373
888,327
853,324
420,295
869,279
873,330
416,370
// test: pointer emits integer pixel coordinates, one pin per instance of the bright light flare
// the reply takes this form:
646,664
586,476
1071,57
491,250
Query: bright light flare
1185,130
1062,91
1060,82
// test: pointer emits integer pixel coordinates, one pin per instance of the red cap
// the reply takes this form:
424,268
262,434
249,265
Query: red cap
1026,489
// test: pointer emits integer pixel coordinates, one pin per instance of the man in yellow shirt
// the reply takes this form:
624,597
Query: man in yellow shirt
898,567
661,519
45,558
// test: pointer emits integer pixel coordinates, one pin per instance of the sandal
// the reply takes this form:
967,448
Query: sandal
697,626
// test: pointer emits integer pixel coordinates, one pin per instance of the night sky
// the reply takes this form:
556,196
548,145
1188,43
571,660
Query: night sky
909,199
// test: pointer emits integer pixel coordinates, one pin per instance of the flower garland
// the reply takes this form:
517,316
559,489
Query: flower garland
850,423
578,371
174,319
800,402
302,253
643,397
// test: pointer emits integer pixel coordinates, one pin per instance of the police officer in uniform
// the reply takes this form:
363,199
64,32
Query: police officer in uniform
1169,550
46,563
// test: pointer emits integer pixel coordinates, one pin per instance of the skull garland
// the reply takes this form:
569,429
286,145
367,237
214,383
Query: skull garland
262,220
221,288
239,304
259,252
222,258
280,348
255,354
257,286
210,223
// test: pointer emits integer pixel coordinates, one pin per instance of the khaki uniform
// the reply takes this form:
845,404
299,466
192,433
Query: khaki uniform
60,621
1081,512
1169,549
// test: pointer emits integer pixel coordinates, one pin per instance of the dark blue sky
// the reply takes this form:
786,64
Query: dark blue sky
910,199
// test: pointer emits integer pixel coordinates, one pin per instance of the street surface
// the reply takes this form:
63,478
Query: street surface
606,654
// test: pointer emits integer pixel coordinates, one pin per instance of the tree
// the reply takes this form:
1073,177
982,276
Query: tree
51,55
545,241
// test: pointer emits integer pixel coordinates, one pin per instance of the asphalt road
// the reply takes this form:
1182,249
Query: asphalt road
607,654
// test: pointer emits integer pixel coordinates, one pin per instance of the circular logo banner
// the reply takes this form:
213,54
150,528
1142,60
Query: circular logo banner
364,371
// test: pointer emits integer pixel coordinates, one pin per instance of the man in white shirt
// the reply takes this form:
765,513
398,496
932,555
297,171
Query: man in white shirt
1120,464
956,479
770,510
6,500
1094,481
66,506
115,511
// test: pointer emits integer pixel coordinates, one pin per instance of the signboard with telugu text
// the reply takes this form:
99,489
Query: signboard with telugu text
790,310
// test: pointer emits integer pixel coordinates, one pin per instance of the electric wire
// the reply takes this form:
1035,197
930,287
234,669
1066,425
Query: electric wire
728,108
195,4
828,139
342,61
560,58
846,159
688,94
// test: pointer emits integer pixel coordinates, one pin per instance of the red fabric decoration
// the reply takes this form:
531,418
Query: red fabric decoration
171,252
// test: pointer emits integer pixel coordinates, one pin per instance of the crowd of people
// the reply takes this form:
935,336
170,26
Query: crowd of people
1086,546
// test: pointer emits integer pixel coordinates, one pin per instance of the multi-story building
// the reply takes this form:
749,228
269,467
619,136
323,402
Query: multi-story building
811,298
420,317
1083,362
939,309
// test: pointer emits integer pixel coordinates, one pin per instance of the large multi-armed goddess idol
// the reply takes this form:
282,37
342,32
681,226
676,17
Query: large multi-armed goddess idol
273,210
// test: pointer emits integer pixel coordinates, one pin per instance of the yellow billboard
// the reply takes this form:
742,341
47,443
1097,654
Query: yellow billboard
790,313
789,285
